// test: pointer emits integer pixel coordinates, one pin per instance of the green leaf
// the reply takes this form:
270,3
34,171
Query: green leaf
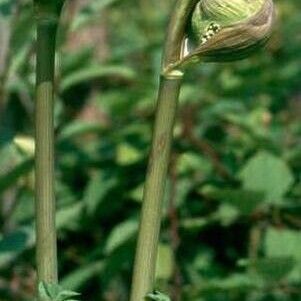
165,262
78,128
6,7
95,72
197,223
80,276
245,201
137,193
227,214
100,184
66,295
14,244
284,244
68,217
189,162
48,291
54,292
127,154
157,296
92,9
274,268
15,241
14,174
121,234
43,291
235,282
268,174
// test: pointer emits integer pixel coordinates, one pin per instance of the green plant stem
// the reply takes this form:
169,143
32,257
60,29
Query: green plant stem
46,249
170,84
145,262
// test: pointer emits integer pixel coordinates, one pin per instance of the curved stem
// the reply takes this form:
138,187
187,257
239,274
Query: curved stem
170,84
176,31
46,249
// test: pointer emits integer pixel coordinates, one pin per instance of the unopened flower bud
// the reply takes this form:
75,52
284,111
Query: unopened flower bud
227,30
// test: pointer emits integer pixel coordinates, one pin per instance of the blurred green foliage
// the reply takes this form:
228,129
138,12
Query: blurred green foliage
232,216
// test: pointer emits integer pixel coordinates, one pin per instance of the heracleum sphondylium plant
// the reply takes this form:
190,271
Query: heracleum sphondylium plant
47,14
219,31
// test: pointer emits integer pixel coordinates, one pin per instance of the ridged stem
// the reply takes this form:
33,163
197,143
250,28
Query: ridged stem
46,249
146,253
170,84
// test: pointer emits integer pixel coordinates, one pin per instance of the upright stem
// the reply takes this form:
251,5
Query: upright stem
46,251
170,84
146,253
